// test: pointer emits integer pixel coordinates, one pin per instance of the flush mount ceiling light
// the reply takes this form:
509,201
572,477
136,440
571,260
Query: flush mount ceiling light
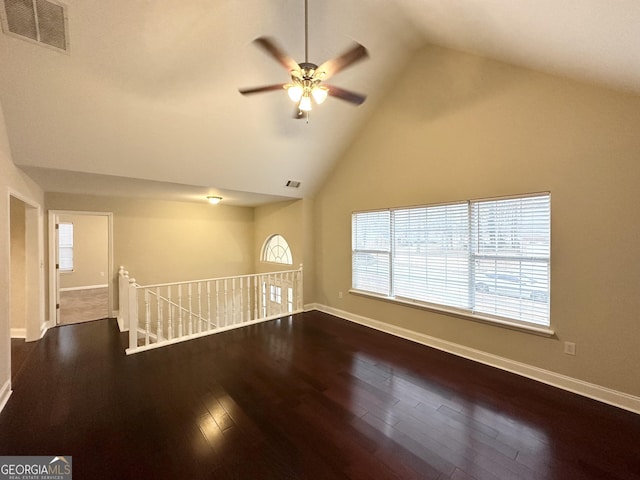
214,200
306,78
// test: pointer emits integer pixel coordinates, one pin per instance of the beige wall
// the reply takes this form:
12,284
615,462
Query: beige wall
18,263
460,127
90,251
292,220
160,241
12,182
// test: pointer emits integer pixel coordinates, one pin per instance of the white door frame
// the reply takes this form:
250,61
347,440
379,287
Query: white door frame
35,324
54,287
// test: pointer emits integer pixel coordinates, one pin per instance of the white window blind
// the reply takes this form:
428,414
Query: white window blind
65,247
486,257
431,254
511,254
371,252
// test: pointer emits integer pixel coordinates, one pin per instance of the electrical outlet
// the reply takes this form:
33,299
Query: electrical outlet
569,348
339,294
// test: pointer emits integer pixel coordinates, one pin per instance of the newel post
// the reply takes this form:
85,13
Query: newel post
123,298
300,292
133,313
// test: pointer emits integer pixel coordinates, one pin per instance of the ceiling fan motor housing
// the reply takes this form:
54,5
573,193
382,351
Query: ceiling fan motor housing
308,71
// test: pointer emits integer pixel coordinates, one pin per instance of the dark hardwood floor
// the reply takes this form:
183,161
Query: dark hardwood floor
308,397
20,350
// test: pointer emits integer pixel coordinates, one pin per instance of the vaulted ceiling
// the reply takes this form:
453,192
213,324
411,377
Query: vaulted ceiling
146,101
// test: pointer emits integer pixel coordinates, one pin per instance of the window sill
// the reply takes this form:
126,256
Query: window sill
498,322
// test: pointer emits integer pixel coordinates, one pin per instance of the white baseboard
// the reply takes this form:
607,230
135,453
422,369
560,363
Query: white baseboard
5,393
86,287
44,327
22,332
18,333
574,385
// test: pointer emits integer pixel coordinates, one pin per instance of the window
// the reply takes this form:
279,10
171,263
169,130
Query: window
511,258
65,247
289,299
276,294
276,250
371,232
488,258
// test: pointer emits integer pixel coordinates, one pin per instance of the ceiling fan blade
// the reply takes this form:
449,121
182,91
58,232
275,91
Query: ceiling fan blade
266,88
346,95
270,46
348,58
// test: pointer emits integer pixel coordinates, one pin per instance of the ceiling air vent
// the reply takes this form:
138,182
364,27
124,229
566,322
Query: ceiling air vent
40,21
293,184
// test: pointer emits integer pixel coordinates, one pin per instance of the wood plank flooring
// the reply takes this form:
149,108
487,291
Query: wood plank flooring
20,350
305,397
83,305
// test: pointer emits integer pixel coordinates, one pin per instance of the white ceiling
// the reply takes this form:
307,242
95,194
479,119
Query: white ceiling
149,89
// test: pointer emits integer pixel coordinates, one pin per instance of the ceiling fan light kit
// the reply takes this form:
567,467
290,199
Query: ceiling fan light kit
306,78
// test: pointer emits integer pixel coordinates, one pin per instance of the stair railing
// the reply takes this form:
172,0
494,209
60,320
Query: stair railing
162,314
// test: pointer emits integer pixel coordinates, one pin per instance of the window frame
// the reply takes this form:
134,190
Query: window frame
69,246
269,247
275,294
534,326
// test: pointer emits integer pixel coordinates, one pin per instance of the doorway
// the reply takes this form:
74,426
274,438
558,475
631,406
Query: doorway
82,271
26,296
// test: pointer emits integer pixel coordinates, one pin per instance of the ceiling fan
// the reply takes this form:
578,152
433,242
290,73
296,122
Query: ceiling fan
306,78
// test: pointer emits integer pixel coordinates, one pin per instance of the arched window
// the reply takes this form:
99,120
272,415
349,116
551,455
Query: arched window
276,250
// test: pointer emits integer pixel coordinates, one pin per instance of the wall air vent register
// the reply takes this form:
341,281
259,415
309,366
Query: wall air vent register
40,21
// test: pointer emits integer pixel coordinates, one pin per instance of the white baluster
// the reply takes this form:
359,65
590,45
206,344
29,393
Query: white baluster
240,297
180,309
132,300
208,305
268,295
263,297
248,299
199,319
159,302
190,312
147,309
123,298
170,325
256,298
217,303
234,311
281,284
288,306
226,303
